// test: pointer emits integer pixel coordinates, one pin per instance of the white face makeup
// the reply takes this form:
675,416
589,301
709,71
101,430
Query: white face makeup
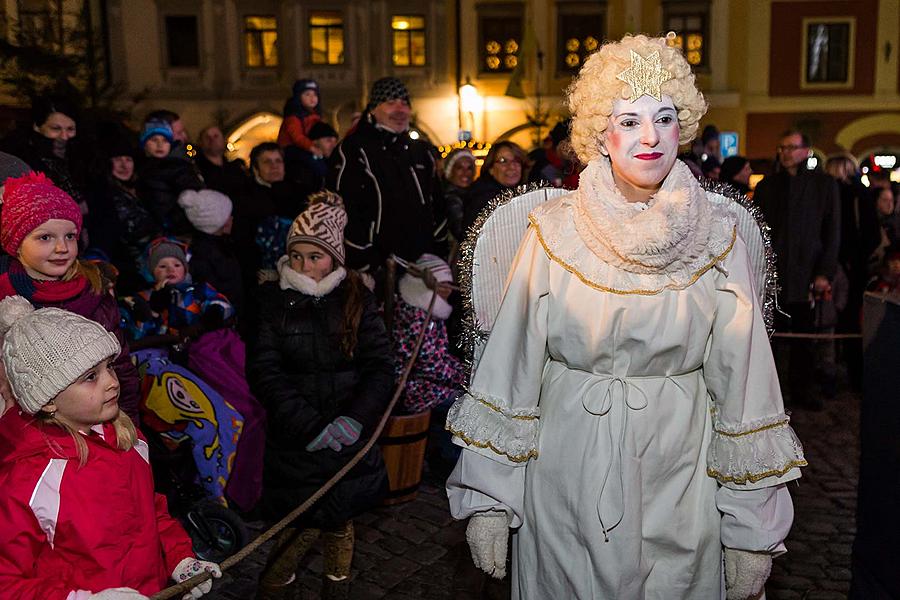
641,141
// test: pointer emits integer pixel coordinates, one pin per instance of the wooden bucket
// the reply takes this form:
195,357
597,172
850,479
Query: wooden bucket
403,444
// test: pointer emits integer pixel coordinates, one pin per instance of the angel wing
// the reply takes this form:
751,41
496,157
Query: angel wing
755,233
486,256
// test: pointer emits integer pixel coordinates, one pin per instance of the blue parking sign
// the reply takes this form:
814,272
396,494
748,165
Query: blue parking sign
728,143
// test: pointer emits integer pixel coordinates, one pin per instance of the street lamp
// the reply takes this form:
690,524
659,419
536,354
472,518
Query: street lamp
468,104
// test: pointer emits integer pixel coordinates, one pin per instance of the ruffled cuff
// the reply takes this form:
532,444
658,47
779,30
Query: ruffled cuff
757,454
489,423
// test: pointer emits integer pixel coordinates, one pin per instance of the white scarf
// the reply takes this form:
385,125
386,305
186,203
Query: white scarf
663,236
289,279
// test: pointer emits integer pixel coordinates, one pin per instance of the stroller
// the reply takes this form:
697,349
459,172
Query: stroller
194,434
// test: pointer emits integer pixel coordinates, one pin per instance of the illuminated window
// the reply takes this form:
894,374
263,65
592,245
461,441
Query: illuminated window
326,38
501,38
182,41
828,49
260,41
409,40
580,31
690,22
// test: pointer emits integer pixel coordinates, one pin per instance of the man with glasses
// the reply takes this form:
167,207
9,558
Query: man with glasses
803,211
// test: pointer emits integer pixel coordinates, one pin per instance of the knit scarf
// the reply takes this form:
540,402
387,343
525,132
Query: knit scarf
14,280
665,235
290,279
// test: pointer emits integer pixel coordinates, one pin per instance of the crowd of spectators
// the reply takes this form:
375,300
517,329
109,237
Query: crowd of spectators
191,242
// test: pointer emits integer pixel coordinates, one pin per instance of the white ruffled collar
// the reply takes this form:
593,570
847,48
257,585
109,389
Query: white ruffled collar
289,279
623,247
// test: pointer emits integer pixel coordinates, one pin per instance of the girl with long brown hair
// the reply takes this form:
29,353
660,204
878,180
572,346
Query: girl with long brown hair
320,362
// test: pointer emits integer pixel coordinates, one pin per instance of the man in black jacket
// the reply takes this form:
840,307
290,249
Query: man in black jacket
389,185
803,210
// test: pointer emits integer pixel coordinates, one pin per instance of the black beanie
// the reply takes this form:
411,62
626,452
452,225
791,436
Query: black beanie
321,129
387,89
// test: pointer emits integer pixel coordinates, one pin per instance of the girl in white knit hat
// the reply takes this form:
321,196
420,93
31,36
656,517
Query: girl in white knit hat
80,518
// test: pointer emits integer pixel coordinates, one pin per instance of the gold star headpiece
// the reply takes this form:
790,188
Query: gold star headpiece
645,76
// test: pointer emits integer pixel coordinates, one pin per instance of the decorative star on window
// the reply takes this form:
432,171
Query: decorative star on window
645,76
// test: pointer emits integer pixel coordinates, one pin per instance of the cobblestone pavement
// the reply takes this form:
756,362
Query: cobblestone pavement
416,551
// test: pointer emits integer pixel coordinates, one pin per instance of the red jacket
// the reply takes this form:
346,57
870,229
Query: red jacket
66,527
294,131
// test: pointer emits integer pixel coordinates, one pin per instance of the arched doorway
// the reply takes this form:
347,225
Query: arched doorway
255,129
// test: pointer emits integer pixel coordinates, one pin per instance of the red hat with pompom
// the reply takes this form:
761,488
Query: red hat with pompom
30,201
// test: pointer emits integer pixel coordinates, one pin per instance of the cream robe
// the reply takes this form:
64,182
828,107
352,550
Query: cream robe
629,436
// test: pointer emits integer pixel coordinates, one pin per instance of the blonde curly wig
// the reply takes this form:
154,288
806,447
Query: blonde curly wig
592,94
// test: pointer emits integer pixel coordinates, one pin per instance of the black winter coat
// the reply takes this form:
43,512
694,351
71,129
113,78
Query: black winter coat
296,368
804,214
393,198
478,196
214,260
125,227
160,181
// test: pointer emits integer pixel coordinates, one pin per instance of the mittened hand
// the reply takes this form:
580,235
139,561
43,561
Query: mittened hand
745,573
488,537
343,431
190,567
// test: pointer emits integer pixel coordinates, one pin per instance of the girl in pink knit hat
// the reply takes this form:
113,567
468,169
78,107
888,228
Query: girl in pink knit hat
39,230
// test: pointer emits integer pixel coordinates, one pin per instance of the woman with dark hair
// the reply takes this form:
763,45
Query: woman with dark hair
124,226
47,146
736,172
505,167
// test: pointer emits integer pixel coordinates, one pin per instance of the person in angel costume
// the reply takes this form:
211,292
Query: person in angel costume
625,418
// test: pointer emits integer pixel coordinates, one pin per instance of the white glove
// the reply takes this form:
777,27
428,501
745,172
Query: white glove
745,573
189,567
121,593
488,537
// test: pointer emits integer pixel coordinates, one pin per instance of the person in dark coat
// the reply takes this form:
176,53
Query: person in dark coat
736,172
124,225
50,146
214,258
220,174
803,211
320,362
505,167
162,177
389,183
309,169
263,216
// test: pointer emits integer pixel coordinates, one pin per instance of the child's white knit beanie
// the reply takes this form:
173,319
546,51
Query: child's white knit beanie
46,350
207,210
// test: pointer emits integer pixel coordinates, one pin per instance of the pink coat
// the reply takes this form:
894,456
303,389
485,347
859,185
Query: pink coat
66,528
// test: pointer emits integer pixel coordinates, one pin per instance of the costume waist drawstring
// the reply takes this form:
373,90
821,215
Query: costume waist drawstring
621,397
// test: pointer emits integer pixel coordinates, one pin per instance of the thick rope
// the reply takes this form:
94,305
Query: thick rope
185,587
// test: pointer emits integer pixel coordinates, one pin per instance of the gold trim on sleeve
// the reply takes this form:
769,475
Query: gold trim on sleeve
782,423
603,288
501,411
519,458
755,477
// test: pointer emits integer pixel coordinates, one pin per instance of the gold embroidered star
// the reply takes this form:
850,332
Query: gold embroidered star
645,75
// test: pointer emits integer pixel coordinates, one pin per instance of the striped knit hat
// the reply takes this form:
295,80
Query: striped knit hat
439,268
321,224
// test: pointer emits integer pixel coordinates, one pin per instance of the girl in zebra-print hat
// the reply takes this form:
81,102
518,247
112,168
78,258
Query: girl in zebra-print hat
321,359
